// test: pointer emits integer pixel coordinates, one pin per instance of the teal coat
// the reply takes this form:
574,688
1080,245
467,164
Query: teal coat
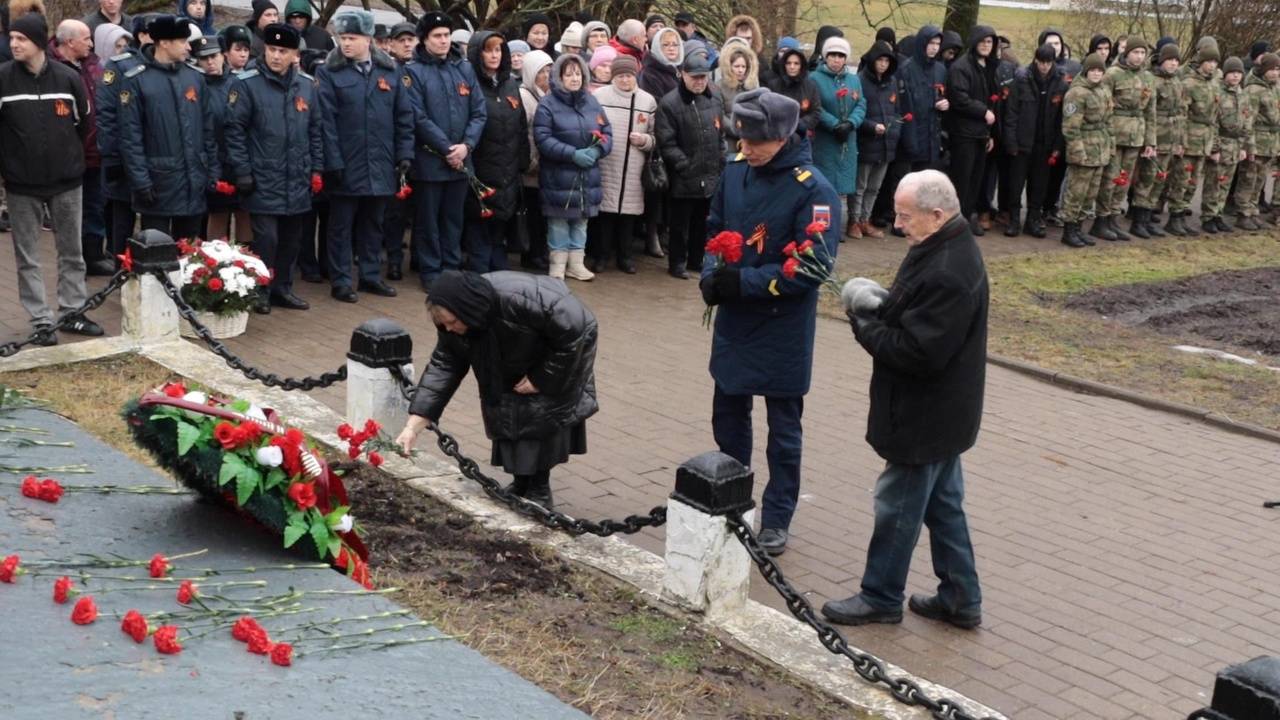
838,161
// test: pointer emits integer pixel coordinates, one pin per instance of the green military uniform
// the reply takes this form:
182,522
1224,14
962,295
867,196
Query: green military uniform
1171,121
1235,135
1086,116
1200,96
1133,126
1264,107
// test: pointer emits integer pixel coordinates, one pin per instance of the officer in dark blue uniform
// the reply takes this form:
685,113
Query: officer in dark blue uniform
166,121
107,100
399,214
764,327
367,119
276,152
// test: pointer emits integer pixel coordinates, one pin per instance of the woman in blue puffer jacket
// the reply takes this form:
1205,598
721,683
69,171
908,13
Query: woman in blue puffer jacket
572,134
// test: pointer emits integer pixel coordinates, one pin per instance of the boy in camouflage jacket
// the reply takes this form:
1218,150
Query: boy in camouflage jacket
1086,117
1234,143
1133,126
1263,90
1200,95
1171,121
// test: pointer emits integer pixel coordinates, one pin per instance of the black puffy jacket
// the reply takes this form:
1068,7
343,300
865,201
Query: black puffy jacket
888,104
1033,113
544,332
925,81
689,137
928,343
42,128
502,156
799,88
972,89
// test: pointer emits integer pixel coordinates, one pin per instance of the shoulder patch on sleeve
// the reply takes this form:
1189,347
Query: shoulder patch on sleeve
134,71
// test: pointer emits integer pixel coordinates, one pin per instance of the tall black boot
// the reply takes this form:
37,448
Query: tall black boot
1071,235
1175,226
1113,224
625,263
539,490
519,485
1138,225
1101,230
1034,225
1151,226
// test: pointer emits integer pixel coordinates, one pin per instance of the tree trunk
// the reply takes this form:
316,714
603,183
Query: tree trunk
961,16
58,10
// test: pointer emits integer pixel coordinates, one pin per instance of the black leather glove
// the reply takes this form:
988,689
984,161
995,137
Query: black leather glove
858,322
728,282
842,130
708,287
145,198
244,185
402,167
333,179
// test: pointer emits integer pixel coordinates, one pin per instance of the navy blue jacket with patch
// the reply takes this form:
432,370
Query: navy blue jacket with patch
367,122
165,121
107,104
763,342
448,110
925,82
273,135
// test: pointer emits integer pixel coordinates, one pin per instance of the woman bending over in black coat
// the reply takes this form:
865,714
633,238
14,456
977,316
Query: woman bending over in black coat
532,347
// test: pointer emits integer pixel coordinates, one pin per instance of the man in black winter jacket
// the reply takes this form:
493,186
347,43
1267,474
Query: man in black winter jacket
1032,137
971,121
927,337
43,123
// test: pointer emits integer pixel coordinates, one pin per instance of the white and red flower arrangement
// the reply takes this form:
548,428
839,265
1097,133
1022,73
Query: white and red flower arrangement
220,277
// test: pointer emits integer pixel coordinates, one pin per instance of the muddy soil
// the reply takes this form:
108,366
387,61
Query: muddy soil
1232,310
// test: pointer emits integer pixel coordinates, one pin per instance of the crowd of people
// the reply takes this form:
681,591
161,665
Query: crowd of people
575,145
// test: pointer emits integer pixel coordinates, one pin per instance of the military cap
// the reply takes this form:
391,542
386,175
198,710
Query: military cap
431,21
403,28
233,34
761,114
282,35
353,22
204,46
168,27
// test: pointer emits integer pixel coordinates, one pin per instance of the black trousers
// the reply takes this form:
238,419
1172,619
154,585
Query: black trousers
613,235
484,242
355,228
968,171
395,218
313,261
120,227
1030,170
1057,175
883,208
688,232
537,225
276,239
185,227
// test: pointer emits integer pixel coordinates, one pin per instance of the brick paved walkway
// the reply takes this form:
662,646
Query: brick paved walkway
1124,553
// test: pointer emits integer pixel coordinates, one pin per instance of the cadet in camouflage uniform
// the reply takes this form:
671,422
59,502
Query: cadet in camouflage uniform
1171,121
1234,143
1134,131
1200,96
1263,90
1086,115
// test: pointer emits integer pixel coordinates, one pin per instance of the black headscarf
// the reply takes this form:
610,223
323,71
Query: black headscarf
467,295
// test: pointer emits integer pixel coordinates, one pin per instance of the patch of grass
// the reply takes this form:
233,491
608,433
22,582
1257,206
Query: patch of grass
658,628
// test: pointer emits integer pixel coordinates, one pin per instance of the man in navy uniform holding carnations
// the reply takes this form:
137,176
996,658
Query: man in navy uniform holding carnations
771,195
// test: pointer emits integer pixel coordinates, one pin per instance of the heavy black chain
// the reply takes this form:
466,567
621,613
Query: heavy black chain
91,303
871,668
268,379
407,385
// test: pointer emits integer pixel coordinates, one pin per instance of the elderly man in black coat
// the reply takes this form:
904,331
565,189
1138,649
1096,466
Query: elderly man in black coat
927,336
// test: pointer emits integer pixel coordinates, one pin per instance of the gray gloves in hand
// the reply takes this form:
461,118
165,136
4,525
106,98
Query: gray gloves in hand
862,296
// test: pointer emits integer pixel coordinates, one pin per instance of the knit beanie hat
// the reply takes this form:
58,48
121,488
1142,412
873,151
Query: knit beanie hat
761,114
259,7
1270,61
1233,65
603,55
1169,51
1258,48
654,20
1135,43
623,64
1094,62
836,45
518,47
33,26
571,37
1206,52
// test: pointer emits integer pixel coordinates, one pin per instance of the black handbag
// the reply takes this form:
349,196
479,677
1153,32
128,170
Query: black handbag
653,176
518,239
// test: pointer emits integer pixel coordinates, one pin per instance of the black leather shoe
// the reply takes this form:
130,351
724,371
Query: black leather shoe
343,293
394,272
312,277
856,611
44,336
773,540
290,301
100,268
539,491
378,288
678,273
930,606
81,325
627,267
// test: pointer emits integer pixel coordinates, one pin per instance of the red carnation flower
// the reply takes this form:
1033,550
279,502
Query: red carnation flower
790,267
184,247
371,427
259,641
243,628
908,117
599,136
174,389
1223,178
317,183
166,640
210,262
303,494
159,566
994,98
345,431
353,451
250,430
135,626
186,591
199,273
215,284
1190,167
85,611
222,187
817,227
264,279
375,459
805,248
1162,175
789,249
282,654
842,93
50,490
62,590
404,192
9,568
30,487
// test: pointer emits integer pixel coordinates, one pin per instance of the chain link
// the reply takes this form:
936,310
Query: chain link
407,385
871,668
268,379
91,303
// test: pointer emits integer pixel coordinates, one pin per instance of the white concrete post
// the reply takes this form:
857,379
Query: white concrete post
372,391
149,314
708,570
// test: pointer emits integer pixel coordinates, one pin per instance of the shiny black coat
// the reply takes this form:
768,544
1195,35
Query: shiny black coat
502,156
690,140
544,332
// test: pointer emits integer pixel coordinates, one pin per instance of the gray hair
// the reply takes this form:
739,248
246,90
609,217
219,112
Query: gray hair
69,30
931,190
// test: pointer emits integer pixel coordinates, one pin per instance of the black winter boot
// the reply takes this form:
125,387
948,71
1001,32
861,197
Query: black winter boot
1101,230
540,489
1113,224
1175,226
1071,235
1138,225
1151,226
1012,228
519,485
1034,226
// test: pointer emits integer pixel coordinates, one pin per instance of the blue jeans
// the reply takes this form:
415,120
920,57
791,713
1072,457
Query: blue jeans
906,497
731,426
566,234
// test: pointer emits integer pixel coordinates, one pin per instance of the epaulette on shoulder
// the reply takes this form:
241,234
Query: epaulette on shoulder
304,75
121,56
804,176
246,74
133,71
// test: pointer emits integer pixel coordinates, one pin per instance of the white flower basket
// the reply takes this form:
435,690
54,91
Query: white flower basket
222,326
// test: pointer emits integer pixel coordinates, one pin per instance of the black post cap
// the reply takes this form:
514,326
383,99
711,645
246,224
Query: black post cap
153,250
381,343
714,483
1248,691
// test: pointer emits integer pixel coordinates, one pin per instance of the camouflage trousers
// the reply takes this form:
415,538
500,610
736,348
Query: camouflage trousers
1183,180
1124,162
1217,183
1249,185
1082,188
1153,177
